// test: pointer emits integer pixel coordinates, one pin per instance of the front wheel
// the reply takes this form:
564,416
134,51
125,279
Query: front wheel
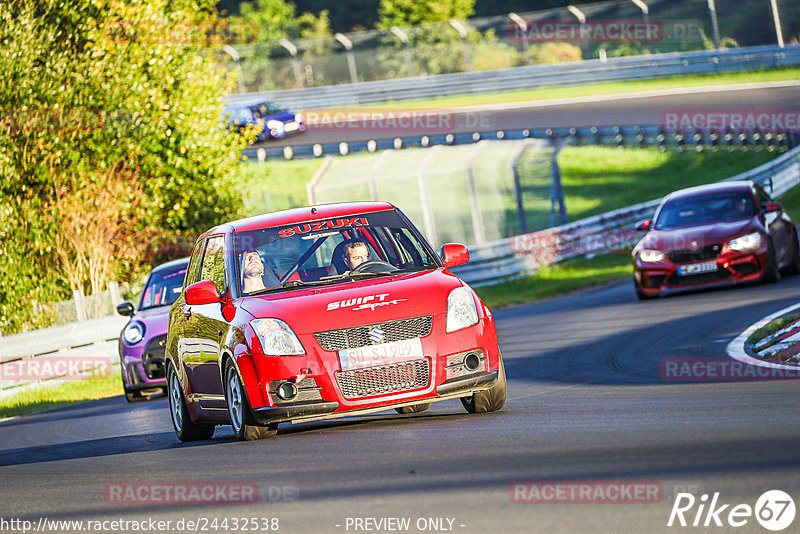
239,409
794,267
489,400
185,429
772,274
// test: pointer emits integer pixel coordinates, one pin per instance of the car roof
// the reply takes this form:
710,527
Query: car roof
183,262
719,187
301,215
249,102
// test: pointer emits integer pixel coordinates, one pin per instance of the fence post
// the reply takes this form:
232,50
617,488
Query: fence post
427,209
523,222
477,217
556,191
80,304
116,296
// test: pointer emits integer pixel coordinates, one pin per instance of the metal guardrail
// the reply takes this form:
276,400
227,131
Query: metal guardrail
536,76
633,135
58,351
524,254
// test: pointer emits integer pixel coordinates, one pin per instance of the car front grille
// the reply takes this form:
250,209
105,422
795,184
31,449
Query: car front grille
695,279
687,256
153,358
358,336
390,378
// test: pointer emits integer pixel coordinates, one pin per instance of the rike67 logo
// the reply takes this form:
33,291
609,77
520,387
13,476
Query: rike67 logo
774,510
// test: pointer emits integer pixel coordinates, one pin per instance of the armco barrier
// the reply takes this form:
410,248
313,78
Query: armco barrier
524,254
92,339
535,76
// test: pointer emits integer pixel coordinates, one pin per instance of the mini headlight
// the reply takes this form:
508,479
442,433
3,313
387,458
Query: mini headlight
277,339
745,242
272,124
461,311
133,333
651,256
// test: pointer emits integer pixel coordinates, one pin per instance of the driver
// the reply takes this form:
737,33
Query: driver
253,269
355,254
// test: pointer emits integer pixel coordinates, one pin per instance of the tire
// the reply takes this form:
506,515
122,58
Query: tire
772,274
794,267
489,400
185,429
416,408
239,409
641,295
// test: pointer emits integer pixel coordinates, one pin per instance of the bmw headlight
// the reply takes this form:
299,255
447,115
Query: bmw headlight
461,311
745,242
651,256
277,339
133,333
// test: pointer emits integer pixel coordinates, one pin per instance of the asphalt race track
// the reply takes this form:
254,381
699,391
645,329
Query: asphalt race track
589,401
608,110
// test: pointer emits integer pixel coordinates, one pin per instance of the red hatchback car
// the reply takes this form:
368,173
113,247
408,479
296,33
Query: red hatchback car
321,312
724,233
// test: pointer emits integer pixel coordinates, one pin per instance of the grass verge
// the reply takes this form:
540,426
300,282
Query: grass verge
561,279
62,394
598,89
772,327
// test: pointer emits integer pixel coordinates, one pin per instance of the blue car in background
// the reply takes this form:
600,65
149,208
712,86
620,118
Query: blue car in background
275,121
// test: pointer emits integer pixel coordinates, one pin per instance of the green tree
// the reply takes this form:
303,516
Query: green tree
413,12
104,95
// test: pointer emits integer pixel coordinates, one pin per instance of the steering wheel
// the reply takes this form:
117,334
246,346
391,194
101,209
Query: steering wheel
374,266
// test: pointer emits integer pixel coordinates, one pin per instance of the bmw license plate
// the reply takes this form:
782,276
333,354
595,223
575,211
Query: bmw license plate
697,268
382,354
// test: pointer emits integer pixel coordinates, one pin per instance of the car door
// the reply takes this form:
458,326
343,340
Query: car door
202,332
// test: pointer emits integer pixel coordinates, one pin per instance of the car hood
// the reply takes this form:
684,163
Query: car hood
694,237
361,302
154,319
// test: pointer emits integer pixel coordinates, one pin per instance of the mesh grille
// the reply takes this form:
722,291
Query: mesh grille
687,256
383,379
358,336
703,278
307,391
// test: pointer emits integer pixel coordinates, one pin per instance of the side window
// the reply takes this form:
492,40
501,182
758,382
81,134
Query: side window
194,264
213,266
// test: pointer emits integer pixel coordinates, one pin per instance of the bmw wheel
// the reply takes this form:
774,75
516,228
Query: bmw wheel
239,409
185,428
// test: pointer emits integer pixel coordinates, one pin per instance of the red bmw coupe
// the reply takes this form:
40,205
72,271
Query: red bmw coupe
322,312
718,234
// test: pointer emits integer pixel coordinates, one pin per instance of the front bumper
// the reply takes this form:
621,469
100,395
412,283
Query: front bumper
662,278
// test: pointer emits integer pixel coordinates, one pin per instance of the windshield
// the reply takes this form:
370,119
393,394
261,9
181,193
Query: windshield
163,287
704,209
329,251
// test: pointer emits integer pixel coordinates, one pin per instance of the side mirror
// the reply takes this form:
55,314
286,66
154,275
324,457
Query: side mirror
202,292
644,225
454,254
770,207
125,309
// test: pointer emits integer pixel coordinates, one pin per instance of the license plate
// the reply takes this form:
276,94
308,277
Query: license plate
385,353
291,126
697,268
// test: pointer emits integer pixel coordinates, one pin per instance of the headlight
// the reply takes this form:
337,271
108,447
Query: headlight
299,117
272,124
133,333
461,311
277,339
745,242
651,256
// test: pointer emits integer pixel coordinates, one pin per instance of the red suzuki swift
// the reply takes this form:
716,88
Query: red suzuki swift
321,312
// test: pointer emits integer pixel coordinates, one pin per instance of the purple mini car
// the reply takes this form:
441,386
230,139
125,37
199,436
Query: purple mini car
141,342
